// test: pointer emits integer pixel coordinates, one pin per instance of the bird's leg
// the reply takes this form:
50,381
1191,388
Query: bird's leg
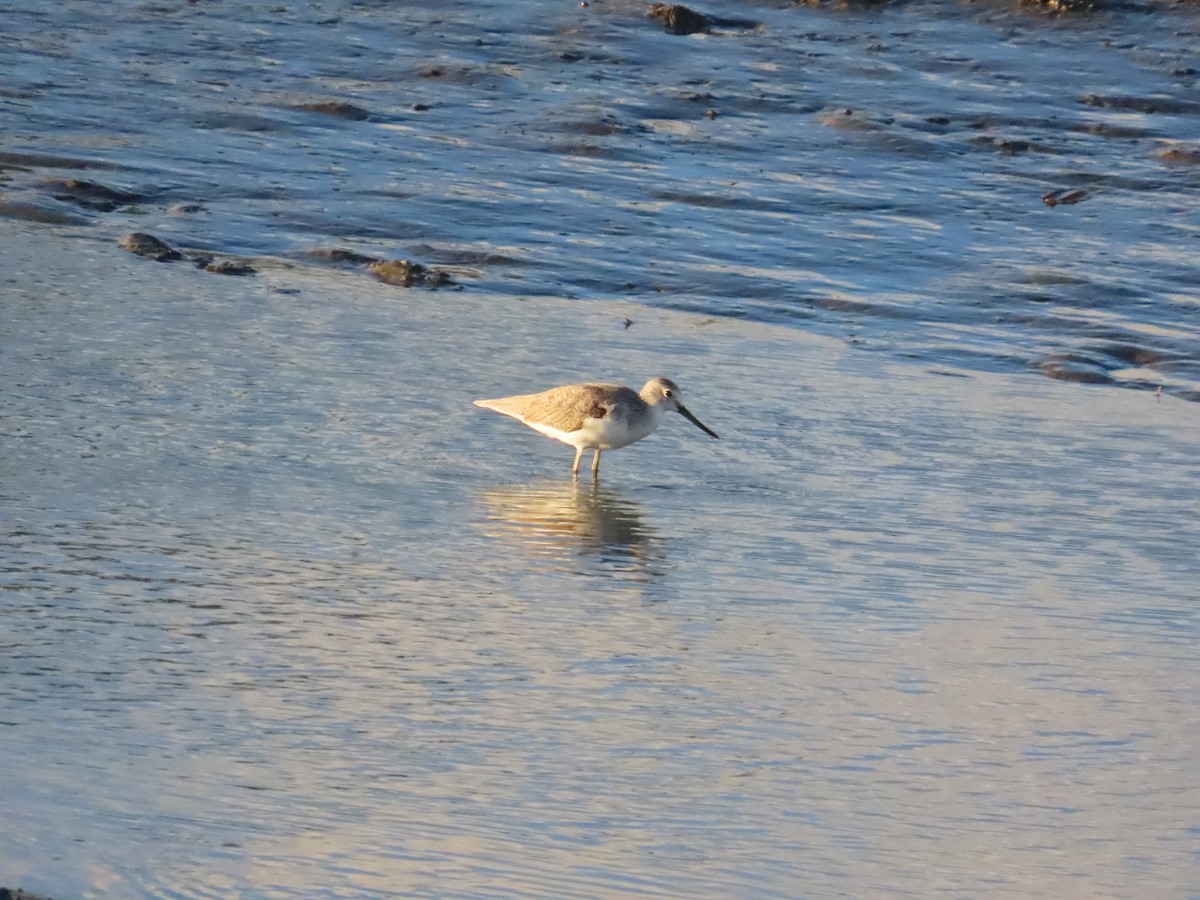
578,456
596,464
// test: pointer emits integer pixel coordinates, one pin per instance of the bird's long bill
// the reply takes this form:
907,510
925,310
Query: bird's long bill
683,411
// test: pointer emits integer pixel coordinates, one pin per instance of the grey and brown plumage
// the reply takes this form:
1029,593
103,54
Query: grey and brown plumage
596,416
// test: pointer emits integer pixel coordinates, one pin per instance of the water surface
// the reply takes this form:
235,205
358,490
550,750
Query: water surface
286,616
873,174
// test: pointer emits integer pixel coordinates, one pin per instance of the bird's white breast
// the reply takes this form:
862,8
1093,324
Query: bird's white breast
608,433
612,432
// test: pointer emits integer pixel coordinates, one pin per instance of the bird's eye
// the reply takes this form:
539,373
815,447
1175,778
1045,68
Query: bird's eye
666,392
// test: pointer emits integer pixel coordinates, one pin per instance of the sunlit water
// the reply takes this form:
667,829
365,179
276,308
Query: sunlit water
284,615
872,174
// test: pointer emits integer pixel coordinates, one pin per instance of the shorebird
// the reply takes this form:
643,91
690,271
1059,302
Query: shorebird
596,416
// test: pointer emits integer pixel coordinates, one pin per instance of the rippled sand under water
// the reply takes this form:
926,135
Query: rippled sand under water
285,615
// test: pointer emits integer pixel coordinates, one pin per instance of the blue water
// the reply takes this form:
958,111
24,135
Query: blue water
286,616
870,174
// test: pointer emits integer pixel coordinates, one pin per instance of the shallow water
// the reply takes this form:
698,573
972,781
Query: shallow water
870,174
286,616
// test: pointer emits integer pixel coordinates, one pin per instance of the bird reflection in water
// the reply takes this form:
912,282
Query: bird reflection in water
573,520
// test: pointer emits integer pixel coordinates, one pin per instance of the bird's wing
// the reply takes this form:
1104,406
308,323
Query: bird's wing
566,408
